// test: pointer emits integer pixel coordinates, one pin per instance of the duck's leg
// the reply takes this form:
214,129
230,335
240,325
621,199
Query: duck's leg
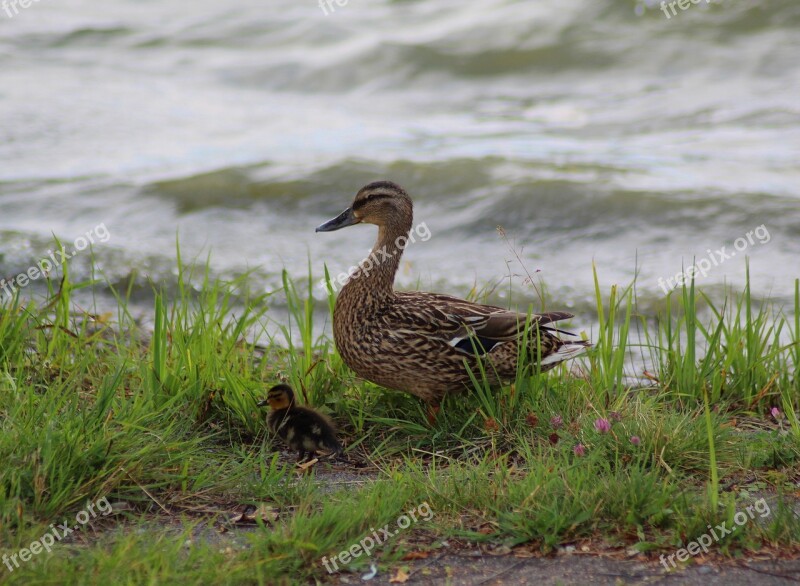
433,411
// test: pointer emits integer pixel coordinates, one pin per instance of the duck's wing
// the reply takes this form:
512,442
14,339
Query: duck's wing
462,324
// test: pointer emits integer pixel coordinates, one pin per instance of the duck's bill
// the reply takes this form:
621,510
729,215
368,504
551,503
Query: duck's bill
343,220
261,403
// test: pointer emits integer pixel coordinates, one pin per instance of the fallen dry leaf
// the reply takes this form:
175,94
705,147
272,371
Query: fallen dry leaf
400,577
651,376
499,550
416,555
306,465
251,514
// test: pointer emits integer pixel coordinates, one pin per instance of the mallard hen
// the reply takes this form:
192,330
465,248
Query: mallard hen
422,343
302,428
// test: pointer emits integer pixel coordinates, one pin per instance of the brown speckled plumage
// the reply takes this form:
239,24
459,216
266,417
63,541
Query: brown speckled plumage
419,342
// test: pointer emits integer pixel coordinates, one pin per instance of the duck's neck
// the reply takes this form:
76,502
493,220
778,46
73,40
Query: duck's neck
376,272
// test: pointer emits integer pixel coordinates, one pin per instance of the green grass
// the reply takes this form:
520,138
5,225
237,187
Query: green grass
162,423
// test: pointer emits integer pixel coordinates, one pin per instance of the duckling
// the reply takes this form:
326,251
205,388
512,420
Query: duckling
302,428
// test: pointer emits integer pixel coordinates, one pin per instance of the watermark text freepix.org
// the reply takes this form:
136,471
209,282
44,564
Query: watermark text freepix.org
16,4
715,258
719,532
97,234
327,5
682,4
376,257
57,533
382,535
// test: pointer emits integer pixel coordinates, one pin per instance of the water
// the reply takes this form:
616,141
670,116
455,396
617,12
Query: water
590,130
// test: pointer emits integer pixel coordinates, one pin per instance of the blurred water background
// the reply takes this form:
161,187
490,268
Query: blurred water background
590,130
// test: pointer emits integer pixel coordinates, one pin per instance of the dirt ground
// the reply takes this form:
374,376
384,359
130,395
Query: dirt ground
471,570
473,566
470,564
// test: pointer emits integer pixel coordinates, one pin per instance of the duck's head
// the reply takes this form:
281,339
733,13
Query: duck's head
381,203
279,397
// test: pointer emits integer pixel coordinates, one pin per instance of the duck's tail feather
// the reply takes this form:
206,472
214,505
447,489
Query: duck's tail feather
566,351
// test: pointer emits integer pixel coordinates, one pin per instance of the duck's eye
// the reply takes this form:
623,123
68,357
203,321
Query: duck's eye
370,199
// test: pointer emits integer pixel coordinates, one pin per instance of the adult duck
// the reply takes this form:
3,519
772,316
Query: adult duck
423,343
